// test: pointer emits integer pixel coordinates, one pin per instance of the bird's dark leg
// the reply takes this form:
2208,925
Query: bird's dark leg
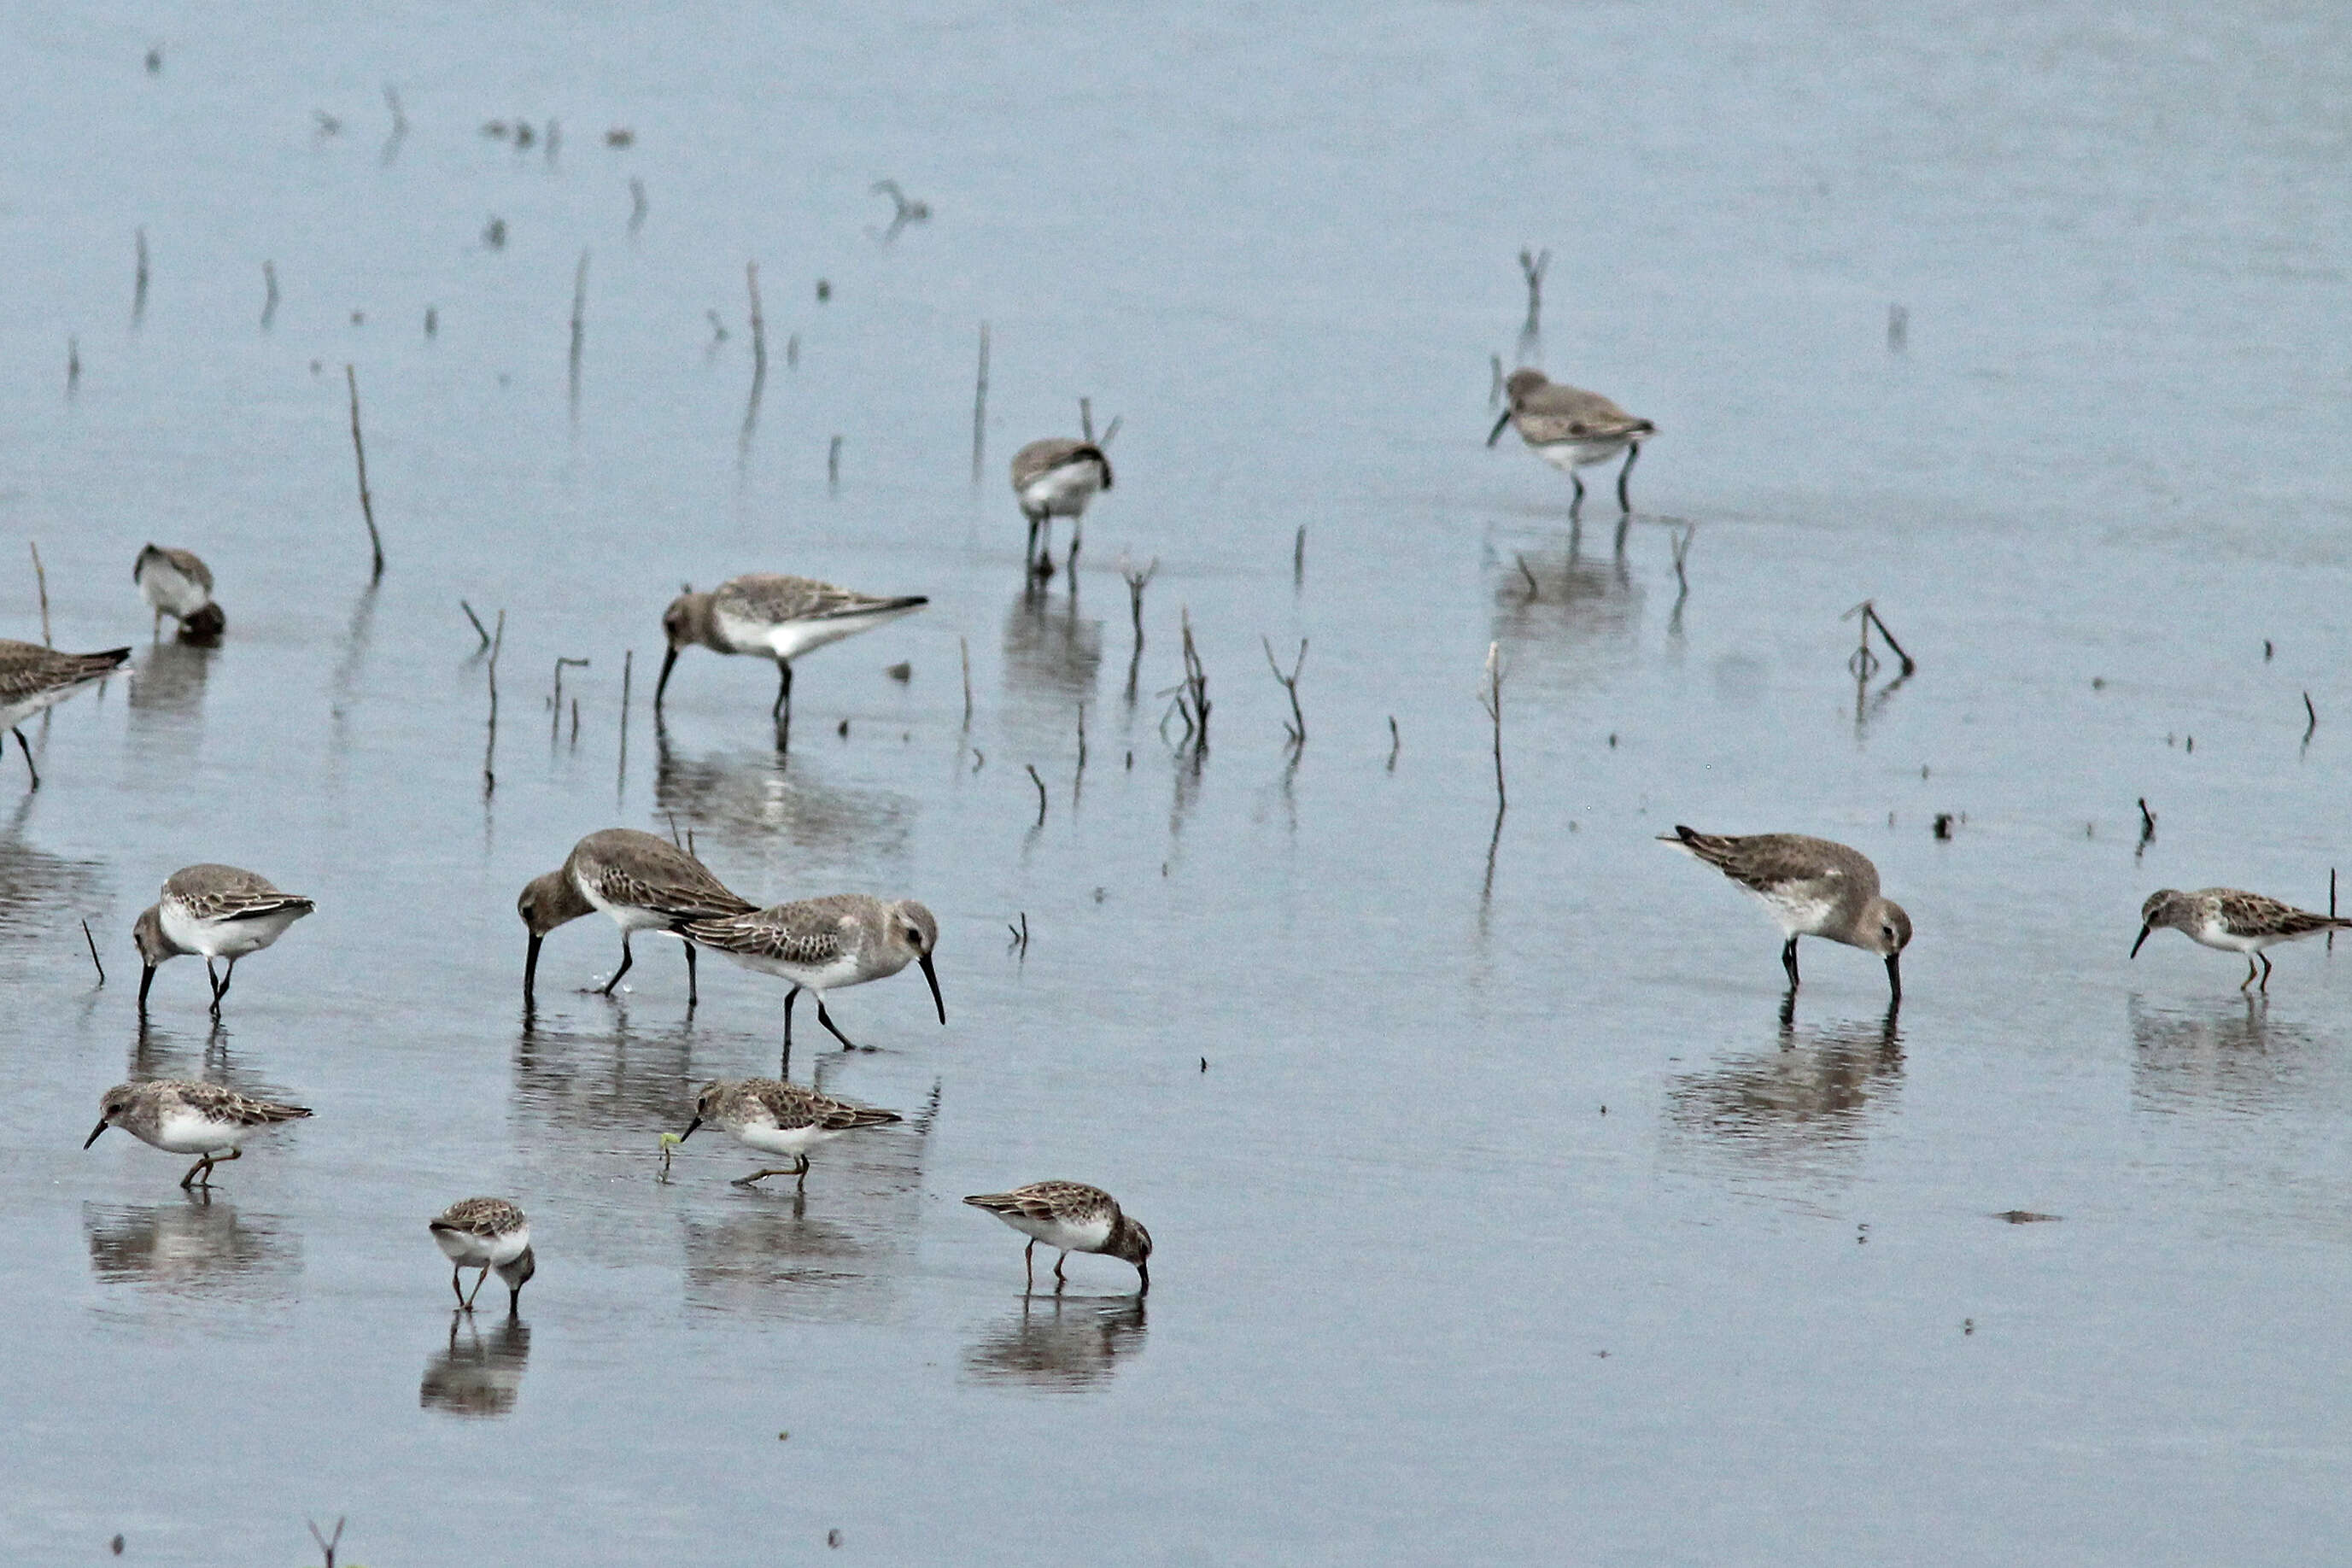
1788,962
756,1177
1029,555
826,1019
782,711
790,997
204,1164
1070,560
627,958
477,1291
2249,980
211,976
1060,1279
1575,503
2266,971
1633,450
1029,1266
1625,521
26,746
801,1184
691,998
228,977
457,1289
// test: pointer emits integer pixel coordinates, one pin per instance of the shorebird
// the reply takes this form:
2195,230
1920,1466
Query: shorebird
33,678
485,1233
820,944
1074,1218
1814,887
1056,477
182,1118
217,911
643,881
779,1118
2232,920
774,616
175,583
1571,428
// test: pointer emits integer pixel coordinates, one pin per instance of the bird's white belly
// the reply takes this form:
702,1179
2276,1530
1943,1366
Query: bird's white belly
462,1249
788,640
818,977
2212,933
225,938
1085,1237
170,590
1798,915
784,1140
1061,493
15,713
628,917
1569,456
185,1133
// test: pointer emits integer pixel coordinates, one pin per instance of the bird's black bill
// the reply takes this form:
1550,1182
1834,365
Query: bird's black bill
1143,1279
530,968
2142,937
1497,433
1895,976
934,976
668,659
690,1130
146,978
102,1127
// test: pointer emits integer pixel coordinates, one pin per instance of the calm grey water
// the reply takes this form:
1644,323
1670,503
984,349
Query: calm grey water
1419,1297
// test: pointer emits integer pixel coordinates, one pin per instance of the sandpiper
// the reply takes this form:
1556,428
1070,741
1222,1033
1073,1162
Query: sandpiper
2232,920
774,616
1571,428
1814,887
485,1233
820,944
1056,477
779,1118
174,582
218,911
182,1118
33,678
643,881
1074,1218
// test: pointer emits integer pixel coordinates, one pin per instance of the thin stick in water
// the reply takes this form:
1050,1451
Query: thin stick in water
269,296
1490,698
479,630
73,364
759,352
637,204
1040,792
1297,728
41,580
1396,743
964,647
491,746
1086,419
358,451
1299,559
980,407
832,464
139,288
579,326
102,968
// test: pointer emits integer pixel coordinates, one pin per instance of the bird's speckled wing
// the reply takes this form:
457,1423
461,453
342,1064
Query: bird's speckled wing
1068,1202
626,867
218,1104
794,1106
28,669
1039,458
1786,863
211,892
2252,914
771,599
480,1216
186,563
811,933
1556,413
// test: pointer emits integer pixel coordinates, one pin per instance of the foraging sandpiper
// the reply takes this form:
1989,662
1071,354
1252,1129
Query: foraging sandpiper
2232,920
174,582
485,1233
1057,478
1571,428
1814,887
779,1118
217,911
1074,1218
182,1118
820,944
643,881
773,617
33,678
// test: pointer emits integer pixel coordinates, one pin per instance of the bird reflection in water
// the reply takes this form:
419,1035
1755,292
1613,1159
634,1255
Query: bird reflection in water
606,1078
836,1251
1053,655
759,808
2229,1055
476,1374
44,896
168,683
1816,1094
199,1246
1055,1342
1551,609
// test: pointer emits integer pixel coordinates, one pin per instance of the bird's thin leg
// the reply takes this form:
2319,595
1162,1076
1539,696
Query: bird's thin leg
2249,980
217,987
477,1291
26,746
790,997
157,632
1633,450
228,976
782,711
826,1019
803,1174
2266,970
1575,503
1029,555
455,1288
691,998
1788,962
1029,1266
204,1164
627,958
1060,1279
1625,521
1070,560
758,1176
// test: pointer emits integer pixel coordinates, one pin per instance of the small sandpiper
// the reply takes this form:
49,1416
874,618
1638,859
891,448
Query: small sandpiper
822,944
217,911
182,1118
1057,478
2232,920
33,678
1814,887
1571,428
485,1233
1074,1218
643,881
174,582
773,617
779,1118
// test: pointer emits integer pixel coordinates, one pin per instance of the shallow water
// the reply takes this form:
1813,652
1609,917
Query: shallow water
1417,1295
